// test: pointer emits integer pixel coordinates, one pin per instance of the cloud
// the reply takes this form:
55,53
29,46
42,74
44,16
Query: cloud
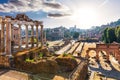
57,15
33,5
53,5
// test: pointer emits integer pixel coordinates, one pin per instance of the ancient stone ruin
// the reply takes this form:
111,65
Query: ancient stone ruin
28,54
8,36
110,49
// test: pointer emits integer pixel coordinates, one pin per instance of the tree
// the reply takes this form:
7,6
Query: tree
75,35
111,35
104,37
117,33
67,34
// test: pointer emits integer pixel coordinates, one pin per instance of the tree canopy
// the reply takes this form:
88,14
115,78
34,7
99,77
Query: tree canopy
75,35
111,34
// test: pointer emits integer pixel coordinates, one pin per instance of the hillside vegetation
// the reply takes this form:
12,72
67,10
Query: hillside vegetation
111,35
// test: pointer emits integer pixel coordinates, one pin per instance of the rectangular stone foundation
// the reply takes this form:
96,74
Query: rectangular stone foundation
4,61
81,71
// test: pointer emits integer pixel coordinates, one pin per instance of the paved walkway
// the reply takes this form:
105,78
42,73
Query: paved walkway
64,49
13,75
72,48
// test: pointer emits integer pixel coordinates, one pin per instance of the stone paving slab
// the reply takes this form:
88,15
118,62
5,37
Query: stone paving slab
13,75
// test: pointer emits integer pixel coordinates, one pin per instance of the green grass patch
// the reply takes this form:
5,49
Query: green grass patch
40,55
29,60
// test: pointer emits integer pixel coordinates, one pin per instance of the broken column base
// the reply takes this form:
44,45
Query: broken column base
6,61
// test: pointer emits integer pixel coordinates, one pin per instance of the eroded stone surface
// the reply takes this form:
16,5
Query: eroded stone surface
13,75
58,78
67,64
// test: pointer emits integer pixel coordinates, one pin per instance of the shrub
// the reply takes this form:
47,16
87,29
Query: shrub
41,55
65,55
29,60
47,44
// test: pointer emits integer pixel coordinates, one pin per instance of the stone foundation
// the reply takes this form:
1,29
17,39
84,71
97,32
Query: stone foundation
47,66
4,61
81,72
66,63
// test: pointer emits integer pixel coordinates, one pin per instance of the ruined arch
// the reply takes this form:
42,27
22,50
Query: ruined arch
92,53
102,53
110,49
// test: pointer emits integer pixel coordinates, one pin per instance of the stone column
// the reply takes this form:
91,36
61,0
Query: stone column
26,32
116,53
8,38
45,37
2,37
12,32
37,35
97,54
107,54
12,39
0,33
0,40
32,35
87,54
118,57
20,38
41,35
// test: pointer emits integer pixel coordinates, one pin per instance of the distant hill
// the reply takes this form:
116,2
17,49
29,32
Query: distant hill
112,24
98,30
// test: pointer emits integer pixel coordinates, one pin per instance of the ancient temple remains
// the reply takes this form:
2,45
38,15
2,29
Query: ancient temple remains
11,35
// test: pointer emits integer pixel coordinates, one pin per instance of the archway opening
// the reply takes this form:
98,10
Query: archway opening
102,55
92,53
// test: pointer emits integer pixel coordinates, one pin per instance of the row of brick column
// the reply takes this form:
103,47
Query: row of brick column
5,40
32,36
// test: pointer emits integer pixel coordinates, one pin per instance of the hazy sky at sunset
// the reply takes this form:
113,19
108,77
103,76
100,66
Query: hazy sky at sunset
83,13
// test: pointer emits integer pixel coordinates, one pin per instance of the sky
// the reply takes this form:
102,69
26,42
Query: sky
54,13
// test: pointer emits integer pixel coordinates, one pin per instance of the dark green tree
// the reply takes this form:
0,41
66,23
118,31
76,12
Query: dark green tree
104,36
117,33
75,35
67,34
111,35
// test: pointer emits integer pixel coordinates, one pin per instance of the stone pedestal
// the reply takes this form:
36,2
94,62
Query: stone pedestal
6,61
11,61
